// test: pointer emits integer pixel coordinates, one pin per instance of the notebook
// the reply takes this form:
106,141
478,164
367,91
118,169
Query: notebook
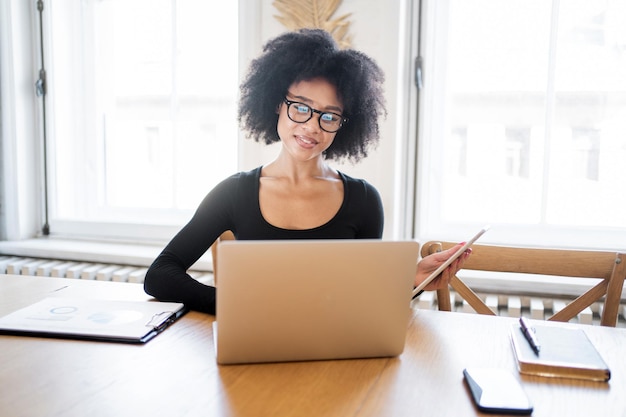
298,300
92,319
565,352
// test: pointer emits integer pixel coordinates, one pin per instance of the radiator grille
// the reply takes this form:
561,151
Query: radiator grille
520,305
81,270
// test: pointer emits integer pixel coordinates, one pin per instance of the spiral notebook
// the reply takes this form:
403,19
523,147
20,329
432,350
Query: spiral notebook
565,352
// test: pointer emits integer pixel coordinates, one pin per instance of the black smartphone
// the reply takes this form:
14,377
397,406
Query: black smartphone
497,391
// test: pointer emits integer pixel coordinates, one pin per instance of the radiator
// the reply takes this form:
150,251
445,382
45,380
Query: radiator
82,270
518,305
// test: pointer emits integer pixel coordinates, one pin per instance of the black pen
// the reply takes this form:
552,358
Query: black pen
530,335
417,294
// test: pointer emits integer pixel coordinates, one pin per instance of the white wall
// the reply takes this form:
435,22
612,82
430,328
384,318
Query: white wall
377,28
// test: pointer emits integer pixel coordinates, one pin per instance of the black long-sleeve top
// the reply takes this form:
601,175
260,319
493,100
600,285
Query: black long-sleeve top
234,205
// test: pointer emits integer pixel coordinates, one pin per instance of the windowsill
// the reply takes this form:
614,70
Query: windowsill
92,251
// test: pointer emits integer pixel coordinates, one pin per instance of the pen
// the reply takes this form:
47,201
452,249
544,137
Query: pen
417,294
530,335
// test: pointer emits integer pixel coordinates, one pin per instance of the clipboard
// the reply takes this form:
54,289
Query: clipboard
92,319
417,290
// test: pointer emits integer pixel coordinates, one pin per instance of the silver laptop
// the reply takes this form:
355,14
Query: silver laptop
296,300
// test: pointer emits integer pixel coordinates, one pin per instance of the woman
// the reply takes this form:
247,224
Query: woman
321,103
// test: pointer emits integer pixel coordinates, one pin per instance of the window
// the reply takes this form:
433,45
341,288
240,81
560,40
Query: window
522,121
142,121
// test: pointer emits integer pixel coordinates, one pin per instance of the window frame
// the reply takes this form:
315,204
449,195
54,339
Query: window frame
24,212
426,223
91,214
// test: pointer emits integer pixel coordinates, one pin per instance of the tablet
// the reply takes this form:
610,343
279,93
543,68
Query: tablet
447,263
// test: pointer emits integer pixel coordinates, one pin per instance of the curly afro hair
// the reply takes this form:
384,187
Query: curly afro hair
304,55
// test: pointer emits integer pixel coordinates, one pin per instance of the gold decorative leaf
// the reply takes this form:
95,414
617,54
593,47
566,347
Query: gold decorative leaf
299,14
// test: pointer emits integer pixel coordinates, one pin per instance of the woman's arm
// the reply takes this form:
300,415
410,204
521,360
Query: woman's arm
167,278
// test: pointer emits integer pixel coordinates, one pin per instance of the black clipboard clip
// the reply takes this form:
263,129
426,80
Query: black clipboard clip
161,320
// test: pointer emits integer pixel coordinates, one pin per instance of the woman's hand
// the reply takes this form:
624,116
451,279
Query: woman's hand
431,262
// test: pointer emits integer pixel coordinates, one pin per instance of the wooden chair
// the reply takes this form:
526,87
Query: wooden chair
610,267
227,235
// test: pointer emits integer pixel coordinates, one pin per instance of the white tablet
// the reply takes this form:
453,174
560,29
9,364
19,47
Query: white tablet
447,263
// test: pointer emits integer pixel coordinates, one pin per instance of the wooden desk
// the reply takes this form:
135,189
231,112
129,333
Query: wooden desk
175,374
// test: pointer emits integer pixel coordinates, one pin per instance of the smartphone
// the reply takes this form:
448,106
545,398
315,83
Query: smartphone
447,263
497,391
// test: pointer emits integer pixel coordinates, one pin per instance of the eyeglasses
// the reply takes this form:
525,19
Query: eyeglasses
301,113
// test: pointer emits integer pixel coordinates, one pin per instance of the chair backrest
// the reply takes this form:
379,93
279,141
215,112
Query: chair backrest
609,267
227,235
